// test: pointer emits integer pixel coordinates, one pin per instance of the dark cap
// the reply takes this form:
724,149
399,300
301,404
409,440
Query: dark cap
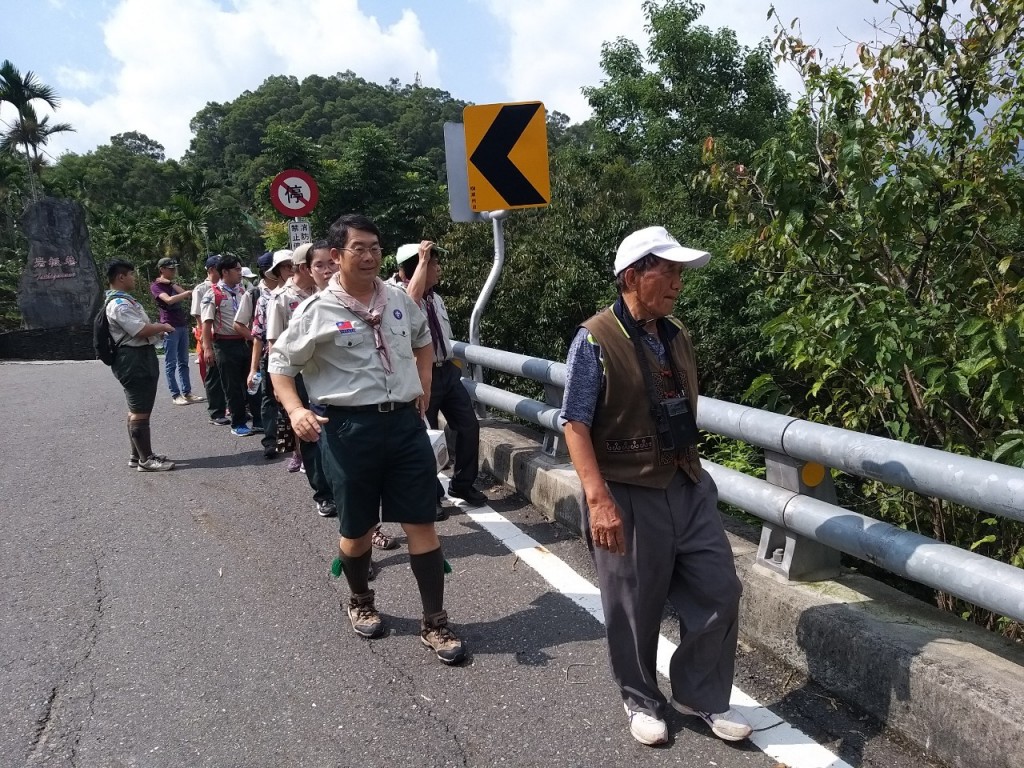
213,260
265,261
167,262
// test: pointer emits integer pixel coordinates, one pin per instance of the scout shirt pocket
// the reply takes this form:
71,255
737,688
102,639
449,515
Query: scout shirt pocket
399,340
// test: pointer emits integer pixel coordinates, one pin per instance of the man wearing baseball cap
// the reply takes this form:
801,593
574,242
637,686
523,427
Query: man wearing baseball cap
652,521
170,300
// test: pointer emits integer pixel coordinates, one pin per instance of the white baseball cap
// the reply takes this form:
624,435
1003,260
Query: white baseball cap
280,257
248,273
657,241
406,252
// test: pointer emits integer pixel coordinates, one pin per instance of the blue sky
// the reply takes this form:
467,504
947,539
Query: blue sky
150,65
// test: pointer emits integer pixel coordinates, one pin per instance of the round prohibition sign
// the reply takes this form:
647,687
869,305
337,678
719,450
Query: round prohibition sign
294,193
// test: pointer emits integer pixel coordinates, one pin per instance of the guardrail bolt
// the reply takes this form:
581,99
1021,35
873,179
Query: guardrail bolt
778,555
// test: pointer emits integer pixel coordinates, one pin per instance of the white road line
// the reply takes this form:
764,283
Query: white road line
772,735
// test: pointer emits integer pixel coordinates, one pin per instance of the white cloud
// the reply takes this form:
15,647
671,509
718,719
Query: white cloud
171,57
78,79
554,48
554,45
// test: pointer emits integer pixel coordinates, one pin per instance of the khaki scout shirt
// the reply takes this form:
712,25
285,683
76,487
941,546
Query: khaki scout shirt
127,318
246,309
442,318
334,351
197,297
281,307
223,315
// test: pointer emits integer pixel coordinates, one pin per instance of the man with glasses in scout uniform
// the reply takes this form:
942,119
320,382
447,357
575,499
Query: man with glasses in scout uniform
215,404
364,350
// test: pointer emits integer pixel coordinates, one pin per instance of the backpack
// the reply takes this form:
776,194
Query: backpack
102,341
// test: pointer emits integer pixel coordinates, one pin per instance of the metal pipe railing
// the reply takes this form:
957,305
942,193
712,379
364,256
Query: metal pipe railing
972,482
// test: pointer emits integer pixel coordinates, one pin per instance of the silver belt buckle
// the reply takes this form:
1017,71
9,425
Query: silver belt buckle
385,407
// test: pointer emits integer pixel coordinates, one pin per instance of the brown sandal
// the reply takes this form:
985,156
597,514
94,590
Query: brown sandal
382,541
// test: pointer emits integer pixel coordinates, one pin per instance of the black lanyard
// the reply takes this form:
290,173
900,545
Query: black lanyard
634,330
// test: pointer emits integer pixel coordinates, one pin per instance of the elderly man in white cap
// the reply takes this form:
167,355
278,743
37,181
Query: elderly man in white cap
652,519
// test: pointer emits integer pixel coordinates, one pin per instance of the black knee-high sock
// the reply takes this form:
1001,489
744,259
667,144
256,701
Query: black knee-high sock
357,572
139,430
131,442
428,569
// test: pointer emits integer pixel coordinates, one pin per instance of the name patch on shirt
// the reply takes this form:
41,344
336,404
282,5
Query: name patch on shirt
637,445
345,326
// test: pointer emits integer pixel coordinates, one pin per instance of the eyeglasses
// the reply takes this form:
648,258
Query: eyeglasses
361,251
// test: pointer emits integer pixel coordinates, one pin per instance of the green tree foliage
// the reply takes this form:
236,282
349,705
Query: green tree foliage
27,134
885,223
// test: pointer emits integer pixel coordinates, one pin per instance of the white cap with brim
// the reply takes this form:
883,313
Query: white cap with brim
406,252
248,273
280,257
299,254
657,241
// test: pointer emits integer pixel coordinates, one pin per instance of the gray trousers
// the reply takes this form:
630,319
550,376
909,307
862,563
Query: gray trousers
676,550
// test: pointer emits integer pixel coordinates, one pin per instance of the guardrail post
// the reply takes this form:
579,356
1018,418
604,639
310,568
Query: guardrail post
782,551
554,443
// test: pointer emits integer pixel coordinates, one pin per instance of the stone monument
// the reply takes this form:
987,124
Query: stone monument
59,292
59,286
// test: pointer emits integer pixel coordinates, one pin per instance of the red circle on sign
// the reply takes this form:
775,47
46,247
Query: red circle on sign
294,193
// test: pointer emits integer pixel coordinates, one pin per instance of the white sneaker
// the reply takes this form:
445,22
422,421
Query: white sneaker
155,464
728,726
645,728
179,400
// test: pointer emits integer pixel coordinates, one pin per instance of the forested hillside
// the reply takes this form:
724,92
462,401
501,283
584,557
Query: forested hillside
866,233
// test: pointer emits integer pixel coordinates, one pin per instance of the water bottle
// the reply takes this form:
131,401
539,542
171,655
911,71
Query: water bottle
256,379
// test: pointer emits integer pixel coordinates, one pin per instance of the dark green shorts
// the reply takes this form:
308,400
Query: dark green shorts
380,467
139,373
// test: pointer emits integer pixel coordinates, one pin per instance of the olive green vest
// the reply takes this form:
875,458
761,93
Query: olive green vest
624,433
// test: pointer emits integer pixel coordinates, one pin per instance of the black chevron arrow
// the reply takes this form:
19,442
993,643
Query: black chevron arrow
491,155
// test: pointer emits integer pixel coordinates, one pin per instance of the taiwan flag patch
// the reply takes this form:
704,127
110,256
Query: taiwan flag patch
345,326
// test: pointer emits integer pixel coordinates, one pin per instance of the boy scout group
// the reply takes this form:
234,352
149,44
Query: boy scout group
357,364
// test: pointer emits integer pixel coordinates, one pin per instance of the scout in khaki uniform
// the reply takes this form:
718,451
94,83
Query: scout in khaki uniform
223,344
283,302
364,350
215,404
135,364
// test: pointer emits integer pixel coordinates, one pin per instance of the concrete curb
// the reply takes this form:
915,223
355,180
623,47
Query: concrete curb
950,687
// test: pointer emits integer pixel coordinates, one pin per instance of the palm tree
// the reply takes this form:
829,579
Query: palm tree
27,130
182,227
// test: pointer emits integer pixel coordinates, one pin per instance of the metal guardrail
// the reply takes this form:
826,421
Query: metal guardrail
804,530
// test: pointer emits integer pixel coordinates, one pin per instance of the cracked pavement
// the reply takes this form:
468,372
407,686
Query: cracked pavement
189,618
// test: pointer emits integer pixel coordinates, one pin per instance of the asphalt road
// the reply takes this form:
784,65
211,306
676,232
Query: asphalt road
189,618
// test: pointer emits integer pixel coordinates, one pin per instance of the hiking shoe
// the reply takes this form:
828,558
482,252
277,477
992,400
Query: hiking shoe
269,452
179,400
133,462
155,464
326,509
381,540
256,428
194,398
220,421
434,634
645,728
364,617
294,463
728,726
467,493
242,431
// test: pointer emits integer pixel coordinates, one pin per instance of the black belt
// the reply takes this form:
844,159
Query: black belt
442,363
387,407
